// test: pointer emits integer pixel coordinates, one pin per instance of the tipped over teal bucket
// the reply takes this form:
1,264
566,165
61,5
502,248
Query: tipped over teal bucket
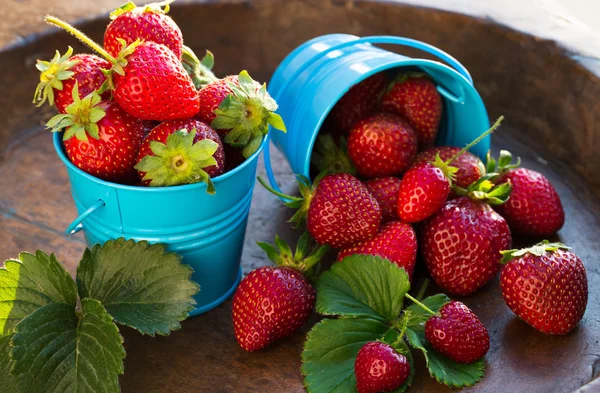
206,230
312,79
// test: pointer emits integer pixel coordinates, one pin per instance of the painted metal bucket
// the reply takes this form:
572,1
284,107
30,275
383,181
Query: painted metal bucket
311,80
207,230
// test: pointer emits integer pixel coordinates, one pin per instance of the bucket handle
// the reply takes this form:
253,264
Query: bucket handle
409,42
77,224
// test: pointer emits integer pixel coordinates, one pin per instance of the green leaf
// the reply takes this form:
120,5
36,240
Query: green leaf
10,383
141,285
57,350
418,316
29,283
330,350
363,286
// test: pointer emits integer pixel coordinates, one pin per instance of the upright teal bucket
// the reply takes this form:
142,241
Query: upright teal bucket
207,230
311,80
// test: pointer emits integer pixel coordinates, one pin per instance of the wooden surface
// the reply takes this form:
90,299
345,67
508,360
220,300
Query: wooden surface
551,101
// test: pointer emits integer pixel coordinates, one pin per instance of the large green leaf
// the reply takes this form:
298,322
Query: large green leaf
57,350
140,285
418,316
31,282
363,286
330,350
10,383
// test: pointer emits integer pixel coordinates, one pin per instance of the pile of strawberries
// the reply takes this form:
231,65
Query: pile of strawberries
384,190
147,111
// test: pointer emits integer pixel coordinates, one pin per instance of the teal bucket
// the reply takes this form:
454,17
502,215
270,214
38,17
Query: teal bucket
206,230
311,80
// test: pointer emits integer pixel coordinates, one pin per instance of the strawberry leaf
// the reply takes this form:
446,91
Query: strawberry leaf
31,282
141,285
330,350
56,349
363,286
418,316
10,383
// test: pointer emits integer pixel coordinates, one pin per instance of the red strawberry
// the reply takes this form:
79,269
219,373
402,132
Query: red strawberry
273,302
534,207
59,75
181,152
470,167
395,241
382,144
338,208
100,138
457,333
546,286
147,23
415,97
358,102
235,157
385,190
241,111
145,126
379,368
461,245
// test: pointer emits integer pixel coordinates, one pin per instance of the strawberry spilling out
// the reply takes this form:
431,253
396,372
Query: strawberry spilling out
385,190
546,286
379,368
469,166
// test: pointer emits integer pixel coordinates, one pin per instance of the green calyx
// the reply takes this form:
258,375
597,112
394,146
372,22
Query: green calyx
448,170
247,113
179,161
52,73
305,258
328,157
81,118
162,7
484,189
198,70
403,77
538,250
503,164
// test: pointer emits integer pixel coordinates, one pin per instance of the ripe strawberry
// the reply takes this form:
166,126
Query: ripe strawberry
273,302
338,208
470,167
385,190
426,186
461,244
415,97
100,138
395,241
181,152
358,102
546,286
379,368
147,23
59,75
382,144
241,111
457,333
534,207
145,126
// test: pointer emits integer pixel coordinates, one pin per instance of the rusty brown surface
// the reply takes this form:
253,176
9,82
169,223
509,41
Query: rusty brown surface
551,104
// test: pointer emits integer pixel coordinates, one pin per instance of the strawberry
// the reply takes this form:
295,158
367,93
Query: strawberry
241,111
470,168
461,243
426,185
379,368
147,23
338,209
385,190
181,152
328,156
272,303
546,286
145,126
415,97
382,144
534,207
358,102
457,333
100,138
148,80
59,75
395,241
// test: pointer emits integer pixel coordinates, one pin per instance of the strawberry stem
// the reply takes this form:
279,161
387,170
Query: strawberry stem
279,194
52,20
418,303
402,325
477,140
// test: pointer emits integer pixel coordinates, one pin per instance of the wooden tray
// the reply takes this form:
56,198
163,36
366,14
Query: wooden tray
549,95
